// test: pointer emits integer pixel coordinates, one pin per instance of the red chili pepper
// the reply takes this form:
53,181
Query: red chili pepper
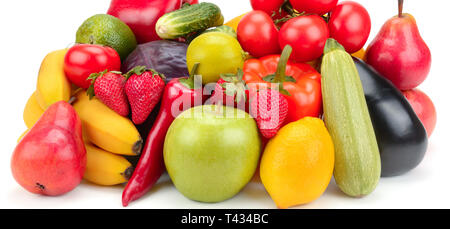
141,15
299,83
150,167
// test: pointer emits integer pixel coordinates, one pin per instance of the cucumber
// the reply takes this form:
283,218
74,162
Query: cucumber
193,18
357,158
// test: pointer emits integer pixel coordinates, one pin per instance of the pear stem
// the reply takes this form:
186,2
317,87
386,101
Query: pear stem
400,8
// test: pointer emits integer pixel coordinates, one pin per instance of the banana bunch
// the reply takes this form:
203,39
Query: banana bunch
105,168
105,128
107,135
32,112
52,84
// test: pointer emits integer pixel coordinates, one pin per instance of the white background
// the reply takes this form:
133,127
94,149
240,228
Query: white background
30,29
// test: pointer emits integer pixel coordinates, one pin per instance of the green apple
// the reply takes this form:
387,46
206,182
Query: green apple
211,152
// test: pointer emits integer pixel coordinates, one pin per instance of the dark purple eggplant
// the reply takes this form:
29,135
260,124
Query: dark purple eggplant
402,139
166,57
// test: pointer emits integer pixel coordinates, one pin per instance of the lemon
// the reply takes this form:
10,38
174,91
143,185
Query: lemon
104,29
297,164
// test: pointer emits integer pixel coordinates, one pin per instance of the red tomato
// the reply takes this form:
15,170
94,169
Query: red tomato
269,6
319,7
84,59
307,35
424,108
257,34
350,25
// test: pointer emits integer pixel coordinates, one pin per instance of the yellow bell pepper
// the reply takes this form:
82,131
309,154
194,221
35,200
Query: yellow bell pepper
360,54
233,23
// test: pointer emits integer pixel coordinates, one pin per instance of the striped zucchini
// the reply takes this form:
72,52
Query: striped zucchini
193,18
357,160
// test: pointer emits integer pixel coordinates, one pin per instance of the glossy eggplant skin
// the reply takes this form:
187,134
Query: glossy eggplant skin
402,139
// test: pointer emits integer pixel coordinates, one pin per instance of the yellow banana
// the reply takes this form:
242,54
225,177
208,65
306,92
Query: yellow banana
52,84
105,128
32,111
105,168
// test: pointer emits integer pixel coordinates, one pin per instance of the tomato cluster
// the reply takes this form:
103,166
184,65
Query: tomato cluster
303,24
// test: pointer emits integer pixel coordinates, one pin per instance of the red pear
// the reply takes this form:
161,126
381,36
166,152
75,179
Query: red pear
399,53
51,157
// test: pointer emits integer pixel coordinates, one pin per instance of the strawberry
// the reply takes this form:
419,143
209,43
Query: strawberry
269,108
109,87
144,89
232,91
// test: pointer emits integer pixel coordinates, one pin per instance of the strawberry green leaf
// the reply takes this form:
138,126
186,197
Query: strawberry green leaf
94,76
241,95
90,92
138,70
116,72
235,85
230,89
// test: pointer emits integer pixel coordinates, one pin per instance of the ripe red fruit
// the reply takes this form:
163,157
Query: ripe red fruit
144,89
141,15
84,59
231,91
271,7
51,157
109,87
350,25
424,108
258,34
269,108
319,7
307,35
399,52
